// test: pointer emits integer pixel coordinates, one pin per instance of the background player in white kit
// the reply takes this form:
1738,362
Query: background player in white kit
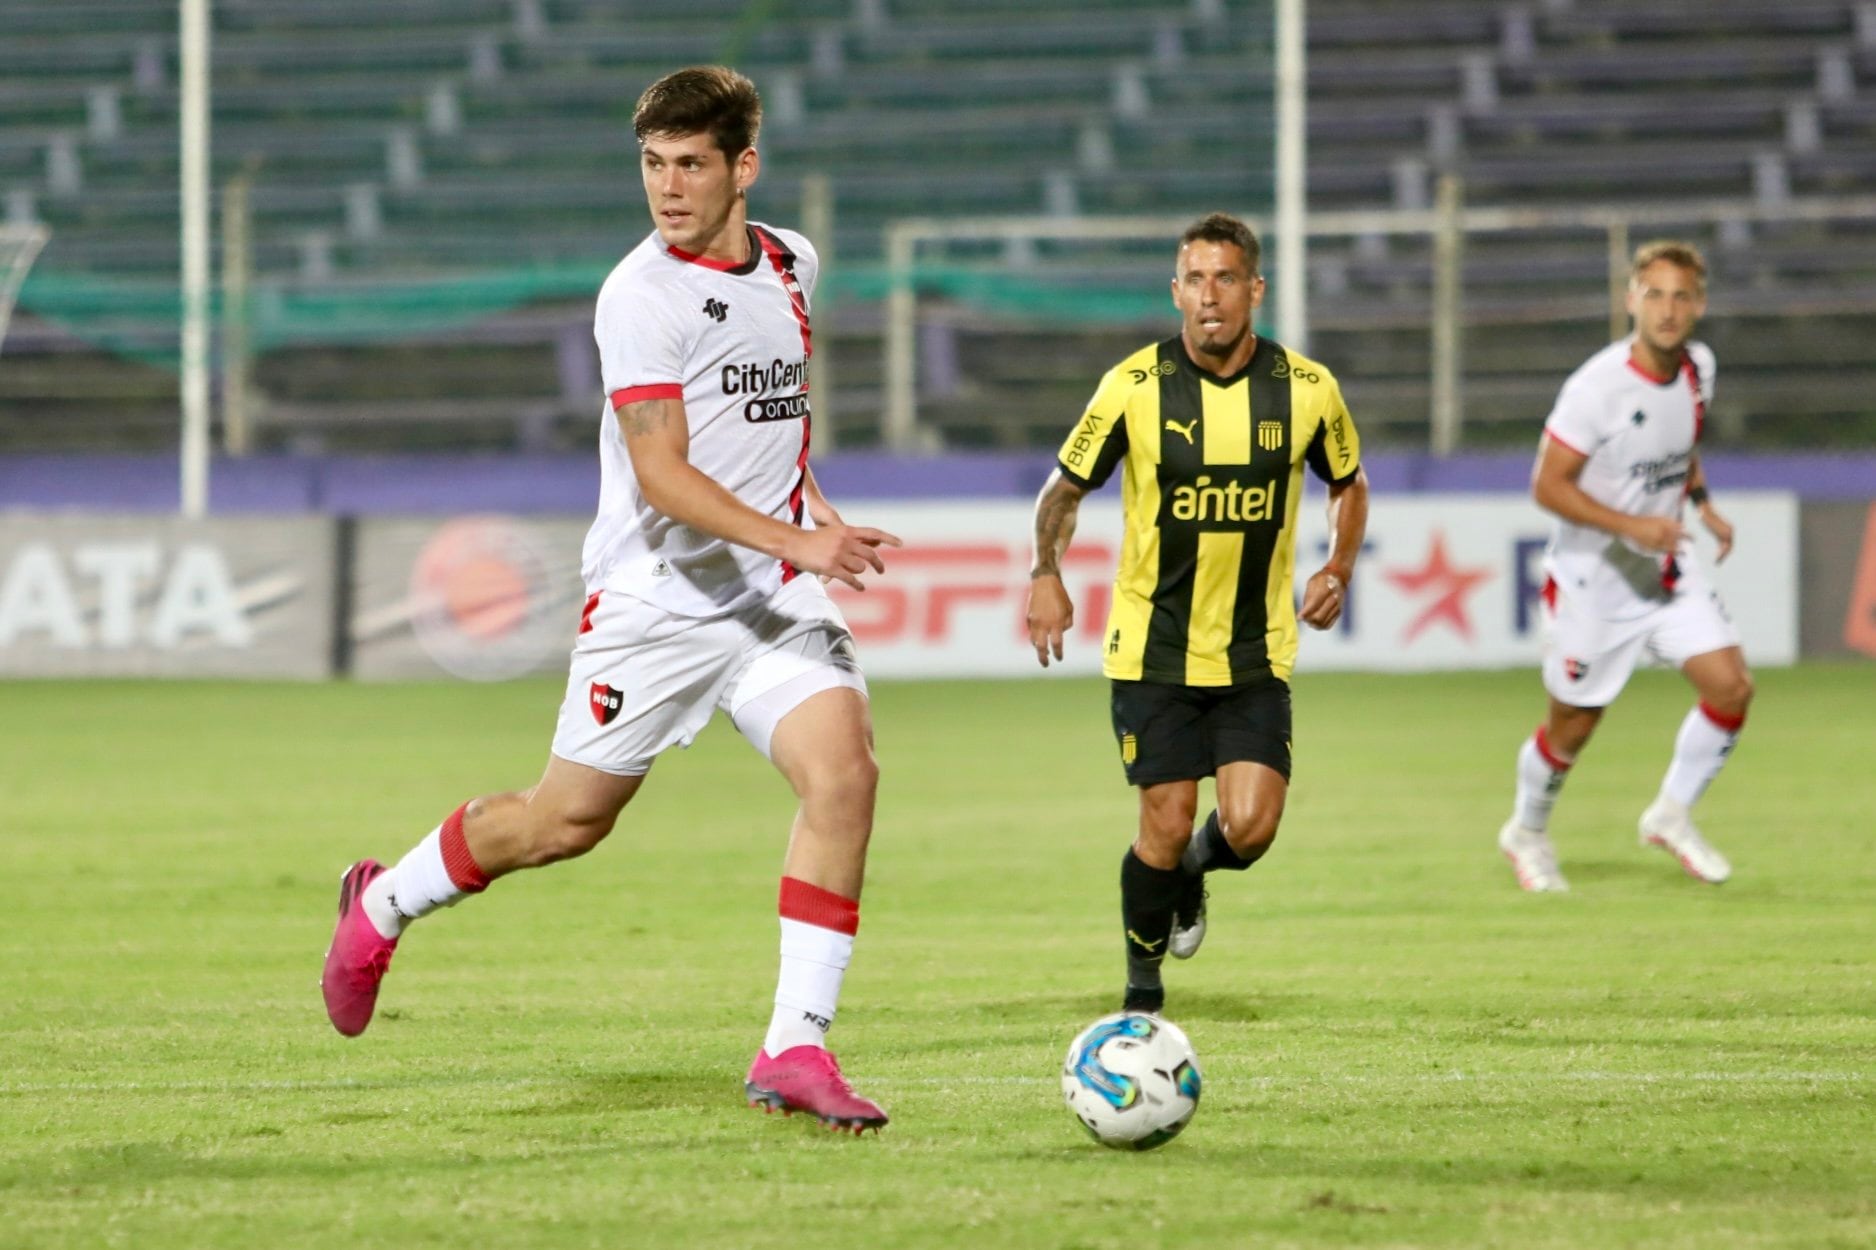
694,598
1618,457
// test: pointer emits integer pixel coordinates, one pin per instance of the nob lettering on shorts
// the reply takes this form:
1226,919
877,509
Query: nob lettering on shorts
605,702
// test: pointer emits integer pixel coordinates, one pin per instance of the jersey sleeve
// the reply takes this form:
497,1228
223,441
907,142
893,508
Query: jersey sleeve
807,263
641,350
1577,421
1335,450
1705,366
1099,439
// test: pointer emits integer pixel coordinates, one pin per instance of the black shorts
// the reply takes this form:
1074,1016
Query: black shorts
1183,733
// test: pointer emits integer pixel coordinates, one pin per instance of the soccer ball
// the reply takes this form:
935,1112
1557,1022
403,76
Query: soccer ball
1132,1080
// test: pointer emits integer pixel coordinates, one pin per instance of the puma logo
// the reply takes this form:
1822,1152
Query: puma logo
1185,430
1141,942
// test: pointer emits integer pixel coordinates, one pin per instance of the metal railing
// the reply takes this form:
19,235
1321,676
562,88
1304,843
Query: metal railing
1448,225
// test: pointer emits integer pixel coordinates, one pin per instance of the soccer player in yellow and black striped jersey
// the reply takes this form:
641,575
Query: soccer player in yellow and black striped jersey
1211,430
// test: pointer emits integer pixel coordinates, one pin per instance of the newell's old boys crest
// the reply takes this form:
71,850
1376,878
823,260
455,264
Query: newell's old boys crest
1270,435
605,702
1575,670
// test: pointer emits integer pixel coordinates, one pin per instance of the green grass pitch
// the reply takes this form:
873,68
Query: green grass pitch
1399,1048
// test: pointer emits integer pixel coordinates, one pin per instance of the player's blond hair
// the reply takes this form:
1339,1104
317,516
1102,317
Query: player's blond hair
704,99
1684,255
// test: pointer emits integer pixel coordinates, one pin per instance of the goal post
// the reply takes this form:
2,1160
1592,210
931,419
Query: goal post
19,247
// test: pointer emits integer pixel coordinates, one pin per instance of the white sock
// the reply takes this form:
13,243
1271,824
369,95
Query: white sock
1541,774
1700,750
808,990
417,886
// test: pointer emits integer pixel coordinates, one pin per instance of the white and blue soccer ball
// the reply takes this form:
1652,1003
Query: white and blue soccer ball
1132,1080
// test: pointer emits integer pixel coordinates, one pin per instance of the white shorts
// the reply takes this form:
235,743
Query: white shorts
1587,660
643,680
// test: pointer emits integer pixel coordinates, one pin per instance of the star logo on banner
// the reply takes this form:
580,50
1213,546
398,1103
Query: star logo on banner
1442,586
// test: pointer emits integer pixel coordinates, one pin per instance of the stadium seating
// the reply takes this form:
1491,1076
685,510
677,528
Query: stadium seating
445,137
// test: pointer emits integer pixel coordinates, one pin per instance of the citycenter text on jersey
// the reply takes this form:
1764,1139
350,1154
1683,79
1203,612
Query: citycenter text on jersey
749,379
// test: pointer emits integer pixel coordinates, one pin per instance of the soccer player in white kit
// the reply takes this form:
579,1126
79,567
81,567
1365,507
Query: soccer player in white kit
704,574
1618,460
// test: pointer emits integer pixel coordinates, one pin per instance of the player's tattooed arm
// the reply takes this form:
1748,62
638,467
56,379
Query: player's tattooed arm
650,417
1050,612
1058,507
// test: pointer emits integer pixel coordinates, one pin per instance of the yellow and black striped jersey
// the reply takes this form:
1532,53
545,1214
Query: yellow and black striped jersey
1213,475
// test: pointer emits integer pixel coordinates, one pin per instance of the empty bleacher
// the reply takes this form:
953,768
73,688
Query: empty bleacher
432,138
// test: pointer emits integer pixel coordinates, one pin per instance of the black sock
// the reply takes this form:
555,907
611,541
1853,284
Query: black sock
1209,852
1147,896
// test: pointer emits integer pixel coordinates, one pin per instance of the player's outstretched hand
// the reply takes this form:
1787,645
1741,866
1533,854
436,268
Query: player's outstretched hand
841,552
1720,528
1323,597
1051,614
1656,533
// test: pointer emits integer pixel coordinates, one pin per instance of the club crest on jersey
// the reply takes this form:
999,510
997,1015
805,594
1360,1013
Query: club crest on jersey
717,309
1576,670
1129,748
1270,435
1639,417
605,702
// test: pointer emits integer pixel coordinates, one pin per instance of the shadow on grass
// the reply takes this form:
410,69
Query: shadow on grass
1052,1012
636,1092
1627,869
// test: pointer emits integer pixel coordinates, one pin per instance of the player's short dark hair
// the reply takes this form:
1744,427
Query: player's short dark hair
704,99
1675,252
1224,228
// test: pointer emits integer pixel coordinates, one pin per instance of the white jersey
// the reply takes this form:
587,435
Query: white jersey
732,342
1638,432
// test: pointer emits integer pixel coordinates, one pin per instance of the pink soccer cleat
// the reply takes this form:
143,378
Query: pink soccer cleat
358,957
807,1078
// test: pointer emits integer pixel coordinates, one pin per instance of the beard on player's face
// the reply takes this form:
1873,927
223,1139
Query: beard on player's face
1221,341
